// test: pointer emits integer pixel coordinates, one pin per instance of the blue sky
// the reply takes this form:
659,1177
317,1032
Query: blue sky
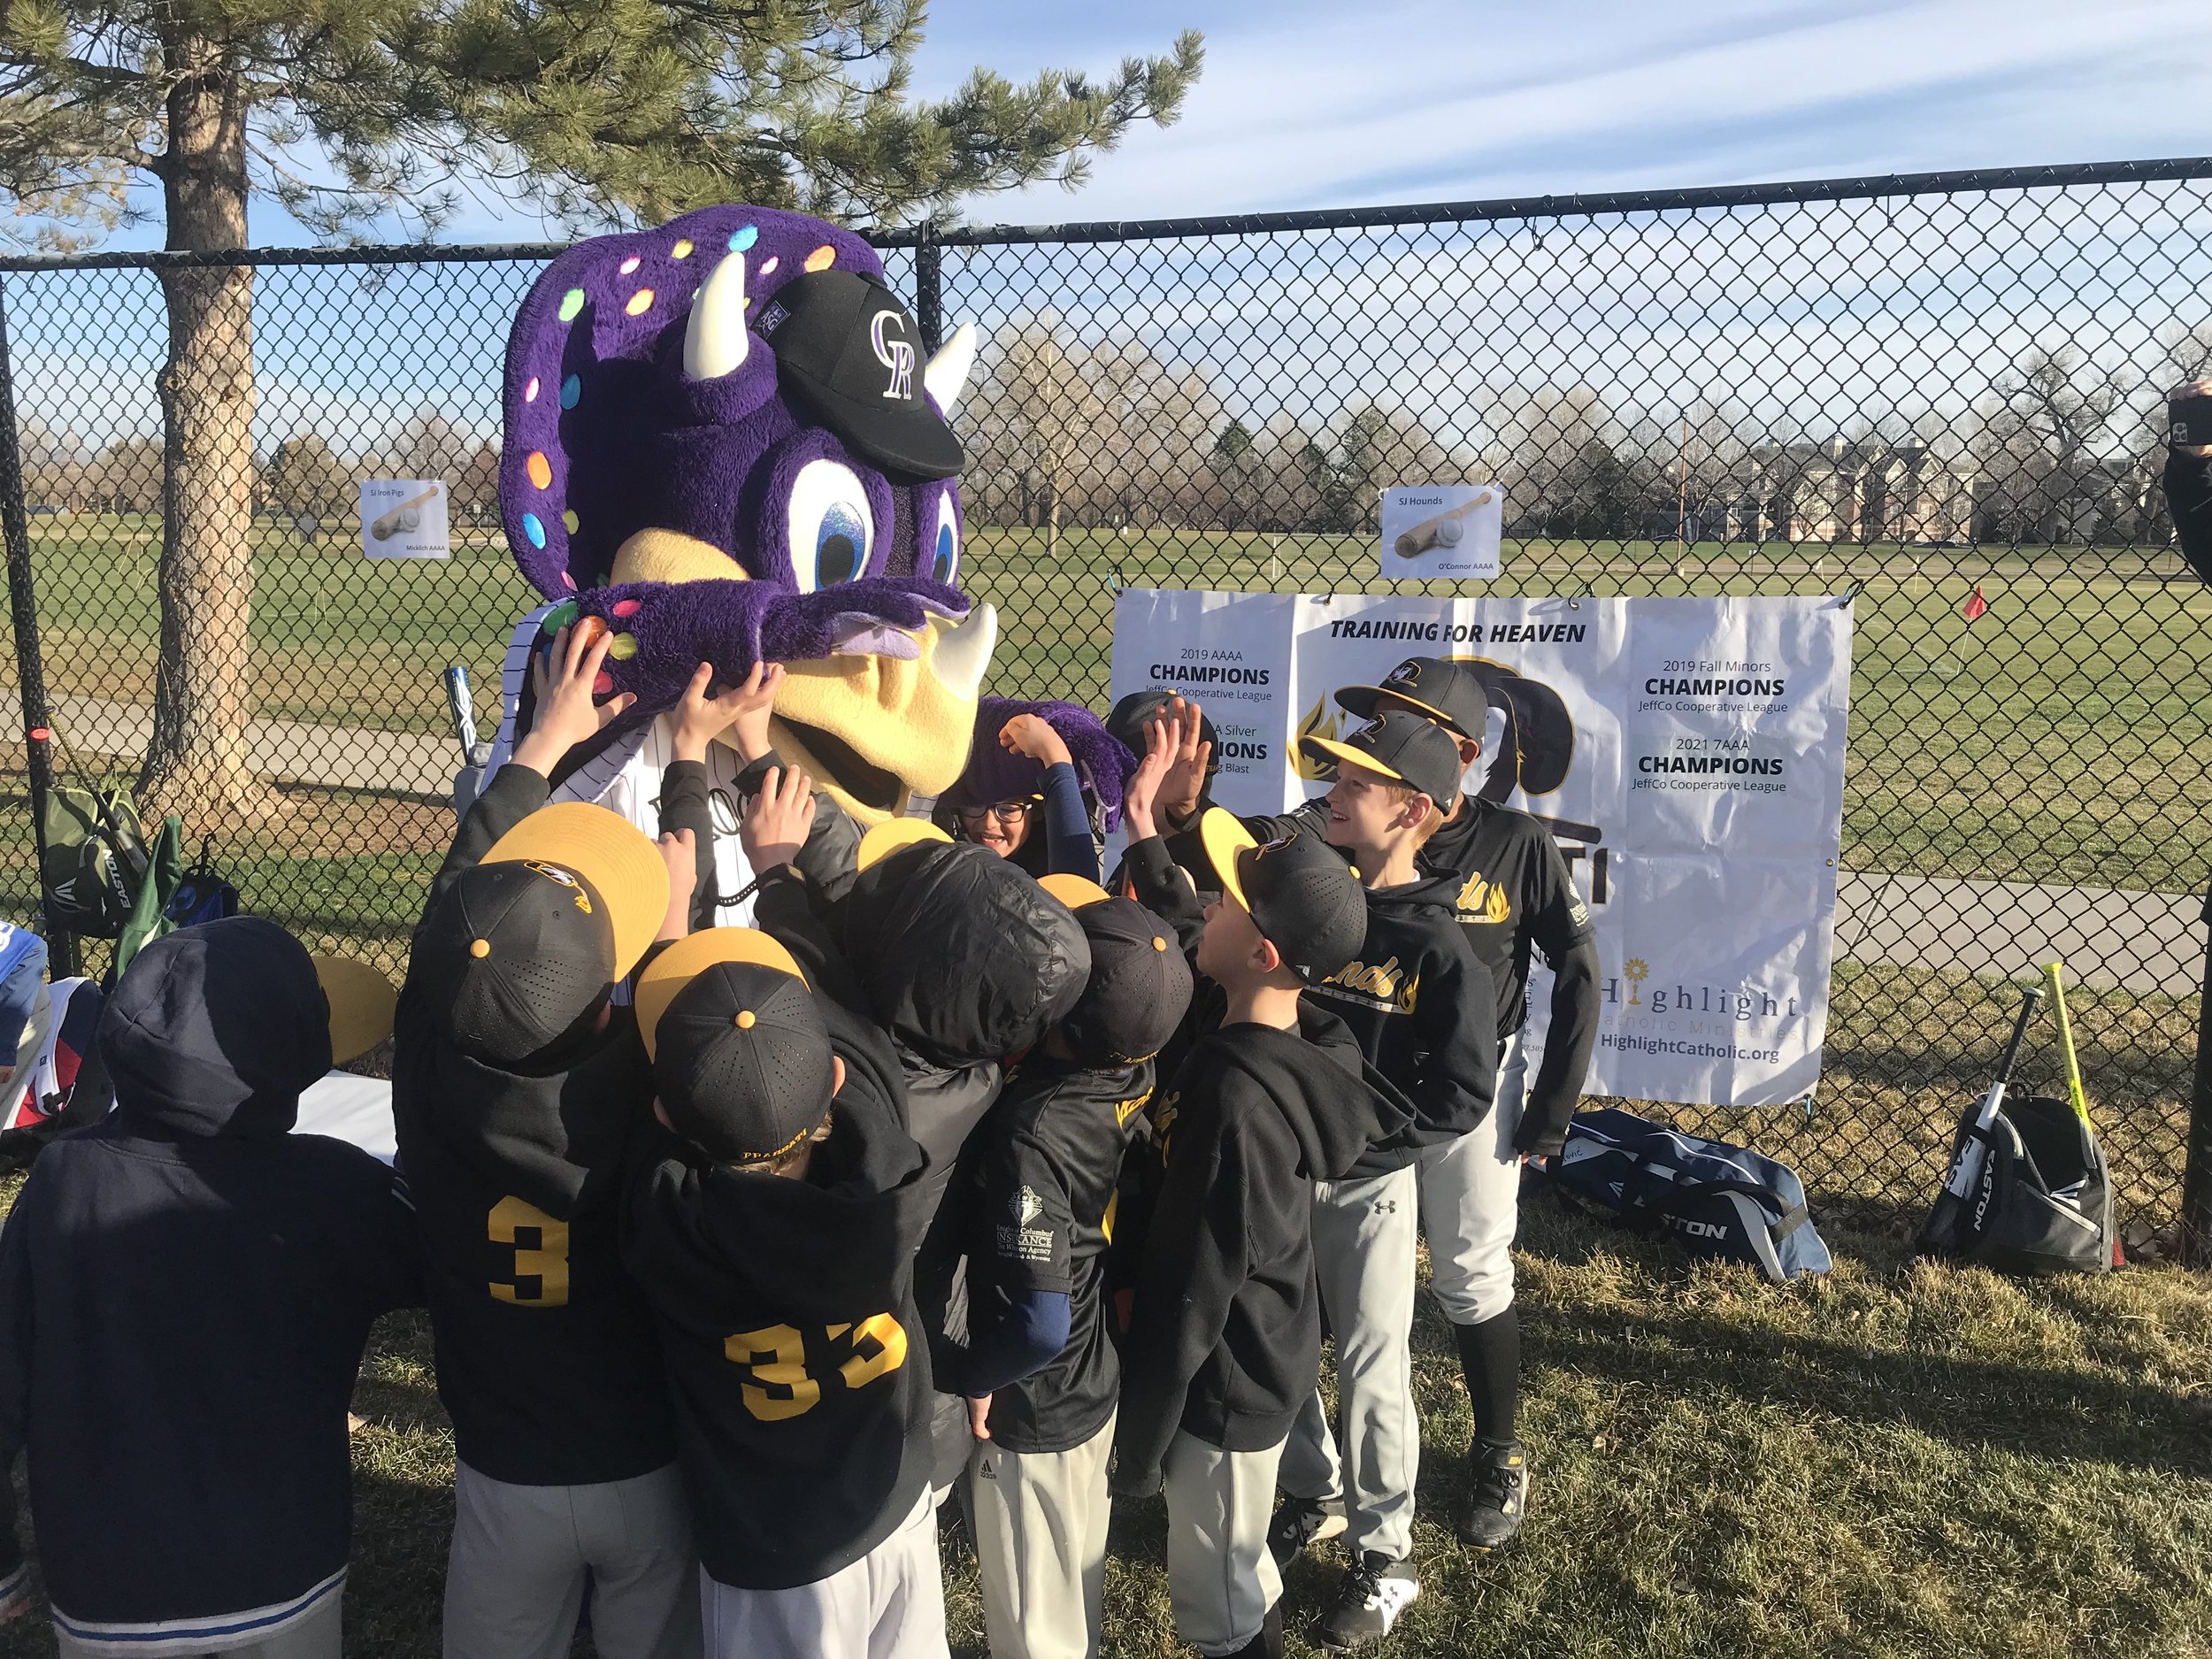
1310,105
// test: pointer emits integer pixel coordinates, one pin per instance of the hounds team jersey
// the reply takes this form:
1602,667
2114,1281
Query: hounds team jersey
785,1310
1042,1214
1513,892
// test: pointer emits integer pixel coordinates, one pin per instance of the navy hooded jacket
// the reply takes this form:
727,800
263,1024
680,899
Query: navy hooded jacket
185,1288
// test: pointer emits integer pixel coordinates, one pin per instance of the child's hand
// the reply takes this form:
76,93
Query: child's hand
1033,735
679,851
1143,788
742,710
567,715
777,820
979,1416
1186,782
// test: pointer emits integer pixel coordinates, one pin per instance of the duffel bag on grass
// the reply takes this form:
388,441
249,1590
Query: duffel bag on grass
1719,1200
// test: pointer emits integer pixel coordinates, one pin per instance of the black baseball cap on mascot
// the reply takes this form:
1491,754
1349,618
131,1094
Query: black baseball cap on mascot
1431,686
848,347
963,955
1139,983
1403,748
1302,895
526,945
741,1059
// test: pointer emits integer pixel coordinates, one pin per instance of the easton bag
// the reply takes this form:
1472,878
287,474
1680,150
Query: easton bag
2043,1202
1720,1200
95,861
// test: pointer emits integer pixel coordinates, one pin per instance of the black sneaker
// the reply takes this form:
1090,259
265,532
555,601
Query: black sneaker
1302,1522
1494,1508
1375,1591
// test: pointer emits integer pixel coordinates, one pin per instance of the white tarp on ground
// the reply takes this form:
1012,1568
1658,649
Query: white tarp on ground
1687,754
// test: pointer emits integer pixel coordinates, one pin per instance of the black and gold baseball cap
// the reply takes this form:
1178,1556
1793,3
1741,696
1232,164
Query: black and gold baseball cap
528,942
1140,982
1302,895
1435,688
1405,748
740,1053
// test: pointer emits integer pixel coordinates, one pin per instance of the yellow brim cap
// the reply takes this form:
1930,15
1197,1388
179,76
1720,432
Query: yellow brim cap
1075,892
1224,837
610,852
361,1005
893,834
1342,752
692,955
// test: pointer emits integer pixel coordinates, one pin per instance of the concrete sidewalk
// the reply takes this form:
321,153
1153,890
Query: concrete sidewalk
291,751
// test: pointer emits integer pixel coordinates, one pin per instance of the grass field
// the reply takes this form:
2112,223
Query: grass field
1894,1461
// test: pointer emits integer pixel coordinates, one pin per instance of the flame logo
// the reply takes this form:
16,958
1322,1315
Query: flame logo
1320,721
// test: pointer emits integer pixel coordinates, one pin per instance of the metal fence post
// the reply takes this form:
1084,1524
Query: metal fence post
61,948
2196,1179
929,290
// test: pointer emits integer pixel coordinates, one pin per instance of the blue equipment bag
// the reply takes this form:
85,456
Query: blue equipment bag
1719,1200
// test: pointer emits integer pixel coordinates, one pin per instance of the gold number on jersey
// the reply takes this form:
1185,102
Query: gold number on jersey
545,1260
777,1384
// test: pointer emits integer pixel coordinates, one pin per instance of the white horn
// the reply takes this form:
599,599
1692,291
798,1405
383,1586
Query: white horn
715,339
963,653
946,375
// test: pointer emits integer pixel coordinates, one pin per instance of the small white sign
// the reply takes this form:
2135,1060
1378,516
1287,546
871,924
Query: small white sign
1441,531
403,518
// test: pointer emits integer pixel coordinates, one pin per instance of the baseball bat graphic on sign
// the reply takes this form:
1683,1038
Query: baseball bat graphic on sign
404,515
1443,531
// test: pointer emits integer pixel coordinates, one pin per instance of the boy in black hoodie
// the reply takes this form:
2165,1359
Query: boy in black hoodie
1225,1344
519,1089
185,1288
1041,1373
1423,1007
773,1221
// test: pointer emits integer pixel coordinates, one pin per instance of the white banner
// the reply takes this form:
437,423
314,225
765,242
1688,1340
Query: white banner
1688,755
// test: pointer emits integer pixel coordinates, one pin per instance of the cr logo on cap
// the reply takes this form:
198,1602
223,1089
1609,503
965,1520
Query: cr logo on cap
896,356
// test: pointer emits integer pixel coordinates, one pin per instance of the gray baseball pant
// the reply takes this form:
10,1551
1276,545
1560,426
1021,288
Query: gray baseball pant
889,1604
1471,1198
521,1557
1040,1521
1220,1579
1363,1237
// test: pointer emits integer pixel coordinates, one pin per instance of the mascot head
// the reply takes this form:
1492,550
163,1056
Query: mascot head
724,442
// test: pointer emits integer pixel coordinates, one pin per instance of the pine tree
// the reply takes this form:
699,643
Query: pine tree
351,112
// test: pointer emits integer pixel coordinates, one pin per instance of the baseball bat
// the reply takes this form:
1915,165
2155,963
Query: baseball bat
1967,1167
1432,532
2074,1094
383,526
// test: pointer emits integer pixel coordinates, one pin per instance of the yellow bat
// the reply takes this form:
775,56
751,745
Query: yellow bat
387,525
1442,531
2074,1094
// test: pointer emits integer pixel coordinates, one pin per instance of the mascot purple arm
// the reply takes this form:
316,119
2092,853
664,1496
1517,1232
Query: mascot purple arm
724,439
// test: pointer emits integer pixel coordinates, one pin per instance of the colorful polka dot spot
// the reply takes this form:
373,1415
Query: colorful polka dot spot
533,528
571,389
627,607
629,264
568,582
559,618
822,259
682,249
602,683
640,303
530,392
540,470
571,302
768,267
569,521
744,237
623,647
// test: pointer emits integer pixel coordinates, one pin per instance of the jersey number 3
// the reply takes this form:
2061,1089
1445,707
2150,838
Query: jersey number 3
777,1384
541,1246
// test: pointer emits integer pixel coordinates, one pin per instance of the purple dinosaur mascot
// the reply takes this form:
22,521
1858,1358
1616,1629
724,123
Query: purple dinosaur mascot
723,439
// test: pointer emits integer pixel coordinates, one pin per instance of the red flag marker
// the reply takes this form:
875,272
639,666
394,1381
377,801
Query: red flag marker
1975,606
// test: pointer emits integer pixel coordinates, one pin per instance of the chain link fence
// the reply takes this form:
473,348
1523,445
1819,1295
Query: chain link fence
1944,395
